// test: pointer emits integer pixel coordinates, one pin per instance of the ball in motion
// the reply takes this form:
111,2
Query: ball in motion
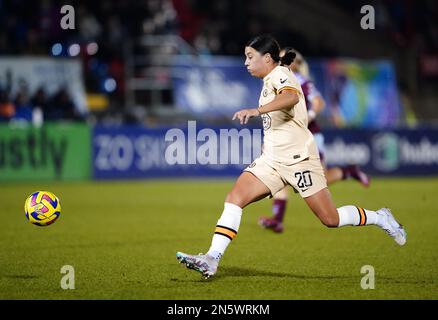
42,208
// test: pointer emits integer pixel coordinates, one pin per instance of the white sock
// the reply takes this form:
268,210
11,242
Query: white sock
357,216
226,229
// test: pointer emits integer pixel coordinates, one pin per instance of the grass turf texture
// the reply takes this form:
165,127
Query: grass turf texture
121,239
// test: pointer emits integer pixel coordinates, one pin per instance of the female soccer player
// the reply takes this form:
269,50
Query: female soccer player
315,104
289,157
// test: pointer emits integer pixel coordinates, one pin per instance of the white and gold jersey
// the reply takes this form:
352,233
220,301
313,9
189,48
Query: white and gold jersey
286,137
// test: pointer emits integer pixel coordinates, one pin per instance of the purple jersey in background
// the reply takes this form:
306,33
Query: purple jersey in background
310,92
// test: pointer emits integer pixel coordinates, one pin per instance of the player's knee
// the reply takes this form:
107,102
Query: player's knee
235,198
330,222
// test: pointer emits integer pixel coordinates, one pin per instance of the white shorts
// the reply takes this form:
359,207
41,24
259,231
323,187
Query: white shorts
306,177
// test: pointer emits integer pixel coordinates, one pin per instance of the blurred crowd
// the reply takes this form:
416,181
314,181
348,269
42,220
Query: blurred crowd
105,29
406,22
38,108
217,27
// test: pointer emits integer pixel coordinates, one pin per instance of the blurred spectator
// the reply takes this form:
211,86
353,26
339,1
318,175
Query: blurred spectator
23,107
61,107
89,27
7,108
49,16
116,32
162,18
40,100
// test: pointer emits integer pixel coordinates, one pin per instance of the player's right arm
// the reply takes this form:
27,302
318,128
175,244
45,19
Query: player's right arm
286,99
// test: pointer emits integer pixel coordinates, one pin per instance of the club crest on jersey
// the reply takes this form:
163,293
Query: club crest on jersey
266,121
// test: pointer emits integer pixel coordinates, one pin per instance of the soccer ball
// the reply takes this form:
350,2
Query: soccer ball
42,208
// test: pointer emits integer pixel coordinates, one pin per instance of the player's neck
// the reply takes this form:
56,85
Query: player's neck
269,69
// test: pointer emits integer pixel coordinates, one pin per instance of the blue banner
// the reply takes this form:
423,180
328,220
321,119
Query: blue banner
391,152
198,151
136,152
214,86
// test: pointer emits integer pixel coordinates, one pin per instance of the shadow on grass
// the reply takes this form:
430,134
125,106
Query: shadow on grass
231,271
249,272
226,272
20,276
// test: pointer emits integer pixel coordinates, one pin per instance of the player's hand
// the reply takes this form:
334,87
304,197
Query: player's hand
244,115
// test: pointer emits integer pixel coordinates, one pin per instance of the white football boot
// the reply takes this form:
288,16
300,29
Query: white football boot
202,263
392,227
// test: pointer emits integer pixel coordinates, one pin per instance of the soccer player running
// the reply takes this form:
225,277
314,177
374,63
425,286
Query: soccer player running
289,157
315,104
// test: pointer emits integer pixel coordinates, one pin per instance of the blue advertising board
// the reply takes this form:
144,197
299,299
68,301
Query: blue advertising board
390,152
136,152
198,151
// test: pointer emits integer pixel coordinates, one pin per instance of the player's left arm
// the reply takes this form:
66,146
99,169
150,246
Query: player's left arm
285,99
316,101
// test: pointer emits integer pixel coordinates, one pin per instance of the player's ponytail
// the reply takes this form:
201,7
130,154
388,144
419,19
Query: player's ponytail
299,63
288,56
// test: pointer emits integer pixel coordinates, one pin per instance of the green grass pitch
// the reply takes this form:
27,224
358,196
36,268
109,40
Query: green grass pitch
121,238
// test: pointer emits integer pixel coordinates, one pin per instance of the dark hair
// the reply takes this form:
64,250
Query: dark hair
289,56
266,44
